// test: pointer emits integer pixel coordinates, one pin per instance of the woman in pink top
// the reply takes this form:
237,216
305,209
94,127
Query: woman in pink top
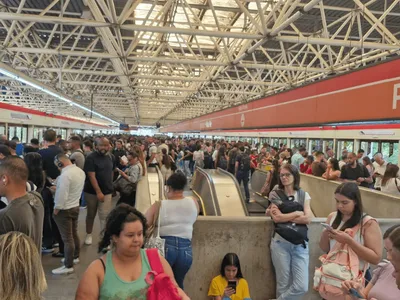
383,284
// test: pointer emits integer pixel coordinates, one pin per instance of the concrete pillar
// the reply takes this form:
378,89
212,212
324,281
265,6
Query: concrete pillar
30,132
308,147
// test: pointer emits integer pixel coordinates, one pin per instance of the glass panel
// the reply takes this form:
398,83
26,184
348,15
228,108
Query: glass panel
374,149
366,146
24,135
329,144
282,141
11,132
297,143
315,145
2,129
344,145
394,157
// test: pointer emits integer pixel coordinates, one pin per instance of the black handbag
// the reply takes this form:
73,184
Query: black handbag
297,234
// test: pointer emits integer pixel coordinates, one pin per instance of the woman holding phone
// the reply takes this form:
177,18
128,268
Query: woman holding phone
367,242
230,284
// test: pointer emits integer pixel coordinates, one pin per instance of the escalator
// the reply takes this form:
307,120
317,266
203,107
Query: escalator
219,193
149,189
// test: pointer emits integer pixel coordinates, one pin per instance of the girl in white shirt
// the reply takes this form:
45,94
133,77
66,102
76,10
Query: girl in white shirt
390,184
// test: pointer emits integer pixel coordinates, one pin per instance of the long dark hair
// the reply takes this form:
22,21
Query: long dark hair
335,164
391,172
34,163
296,175
349,190
116,220
231,259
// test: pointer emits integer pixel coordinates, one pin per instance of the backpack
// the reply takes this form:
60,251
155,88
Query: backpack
222,163
161,285
244,162
339,265
292,232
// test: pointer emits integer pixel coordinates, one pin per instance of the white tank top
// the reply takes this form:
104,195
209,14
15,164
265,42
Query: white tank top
178,217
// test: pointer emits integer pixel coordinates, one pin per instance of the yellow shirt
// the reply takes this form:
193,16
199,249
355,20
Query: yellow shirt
219,283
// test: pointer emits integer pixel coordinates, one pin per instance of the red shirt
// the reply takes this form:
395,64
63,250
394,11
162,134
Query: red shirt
253,159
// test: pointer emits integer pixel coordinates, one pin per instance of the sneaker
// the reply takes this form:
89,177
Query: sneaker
62,270
58,254
89,239
76,260
47,249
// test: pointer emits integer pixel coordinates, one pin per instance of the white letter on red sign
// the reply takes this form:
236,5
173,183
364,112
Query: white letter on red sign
396,95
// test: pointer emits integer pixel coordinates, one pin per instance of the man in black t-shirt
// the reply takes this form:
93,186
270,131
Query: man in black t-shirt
353,171
50,229
99,169
49,153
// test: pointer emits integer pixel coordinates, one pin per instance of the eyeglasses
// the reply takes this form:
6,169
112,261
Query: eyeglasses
287,175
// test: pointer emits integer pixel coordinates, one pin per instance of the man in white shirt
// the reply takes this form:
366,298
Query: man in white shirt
298,157
379,170
66,210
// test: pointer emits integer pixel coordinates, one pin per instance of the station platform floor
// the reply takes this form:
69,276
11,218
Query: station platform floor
63,287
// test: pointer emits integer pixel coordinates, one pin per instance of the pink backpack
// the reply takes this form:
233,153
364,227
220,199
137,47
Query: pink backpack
340,264
161,285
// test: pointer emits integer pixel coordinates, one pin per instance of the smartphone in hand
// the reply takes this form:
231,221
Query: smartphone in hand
327,226
232,285
355,293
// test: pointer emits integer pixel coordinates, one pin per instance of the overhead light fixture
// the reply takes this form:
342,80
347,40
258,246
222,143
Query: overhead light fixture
53,94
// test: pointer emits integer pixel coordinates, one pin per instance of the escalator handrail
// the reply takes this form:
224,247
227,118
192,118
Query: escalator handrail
211,184
161,188
242,200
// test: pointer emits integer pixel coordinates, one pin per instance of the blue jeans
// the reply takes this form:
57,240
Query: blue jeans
186,168
178,253
245,177
291,268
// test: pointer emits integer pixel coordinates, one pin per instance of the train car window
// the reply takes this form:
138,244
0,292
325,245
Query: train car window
2,129
24,138
394,156
387,149
315,145
342,145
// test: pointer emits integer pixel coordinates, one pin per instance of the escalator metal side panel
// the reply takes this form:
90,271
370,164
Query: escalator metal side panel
161,185
203,187
143,197
258,180
230,197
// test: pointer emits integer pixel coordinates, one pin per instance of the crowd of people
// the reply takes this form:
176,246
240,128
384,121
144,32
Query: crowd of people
45,186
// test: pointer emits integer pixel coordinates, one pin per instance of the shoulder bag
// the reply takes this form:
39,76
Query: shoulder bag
153,238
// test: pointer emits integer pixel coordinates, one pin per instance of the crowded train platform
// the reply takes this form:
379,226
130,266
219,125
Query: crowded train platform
199,149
